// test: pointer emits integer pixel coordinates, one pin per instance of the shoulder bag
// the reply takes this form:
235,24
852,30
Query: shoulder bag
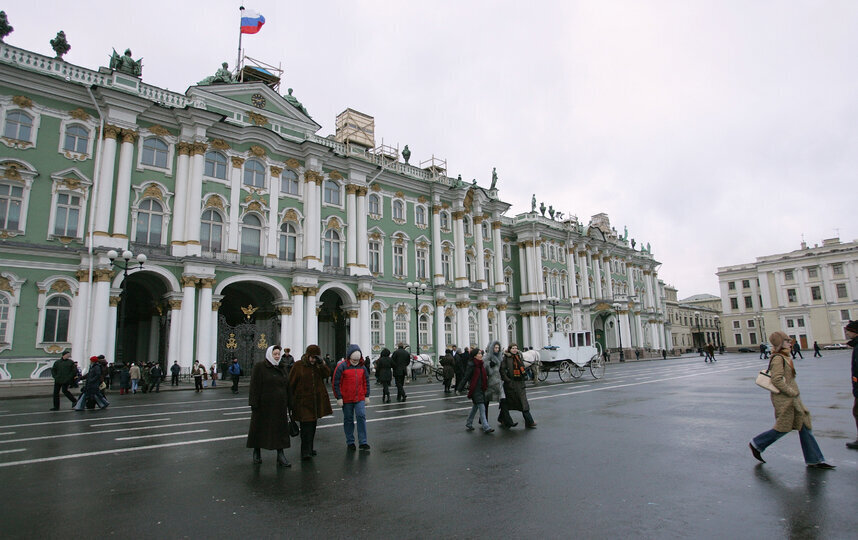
764,379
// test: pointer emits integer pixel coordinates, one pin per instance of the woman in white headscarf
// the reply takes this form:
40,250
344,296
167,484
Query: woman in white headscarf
269,405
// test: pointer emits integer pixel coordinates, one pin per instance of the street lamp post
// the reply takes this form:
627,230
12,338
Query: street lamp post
699,339
416,288
619,331
718,326
553,302
123,295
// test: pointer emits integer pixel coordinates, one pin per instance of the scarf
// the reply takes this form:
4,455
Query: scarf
517,367
270,357
479,375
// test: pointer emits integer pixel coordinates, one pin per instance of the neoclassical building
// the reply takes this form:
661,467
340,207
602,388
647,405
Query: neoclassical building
257,230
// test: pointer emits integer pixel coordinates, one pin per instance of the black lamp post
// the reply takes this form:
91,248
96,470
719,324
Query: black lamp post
699,339
123,295
718,326
553,302
416,288
619,331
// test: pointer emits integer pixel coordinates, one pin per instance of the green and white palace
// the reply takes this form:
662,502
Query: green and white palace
257,230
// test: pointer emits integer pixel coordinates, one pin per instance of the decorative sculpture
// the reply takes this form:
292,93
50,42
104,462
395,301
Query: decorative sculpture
559,216
60,45
459,181
221,76
542,208
648,248
551,211
295,103
126,64
533,203
5,27
406,154
625,233
633,243
494,177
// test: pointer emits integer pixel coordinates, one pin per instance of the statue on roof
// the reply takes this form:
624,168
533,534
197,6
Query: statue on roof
633,243
542,208
126,64
221,76
494,177
648,249
625,232
60,45
5,27
533,203
459,181
406,154
295,103
551,211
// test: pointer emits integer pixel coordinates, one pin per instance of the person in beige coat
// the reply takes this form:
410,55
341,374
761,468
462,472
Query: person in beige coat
790,412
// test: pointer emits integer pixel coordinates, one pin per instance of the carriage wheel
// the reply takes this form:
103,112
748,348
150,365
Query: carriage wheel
439,375
597,368
543,372
576,370
566,371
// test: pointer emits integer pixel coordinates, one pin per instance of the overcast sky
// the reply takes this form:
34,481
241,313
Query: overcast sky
717,131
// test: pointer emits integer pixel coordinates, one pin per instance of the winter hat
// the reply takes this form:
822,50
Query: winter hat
385,352
93,359
353,348
852,326
777,340
313,350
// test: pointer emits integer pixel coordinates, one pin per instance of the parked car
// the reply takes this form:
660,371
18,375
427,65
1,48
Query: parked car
746,349
834,346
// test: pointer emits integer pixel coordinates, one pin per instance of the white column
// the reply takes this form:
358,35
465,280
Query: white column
480,256
438,277
639,325
440,340
123,186
354,330
502,326
180,201
234,205
525,331
154,332
310,316
459,234
351,226
362,246
195,196
534,268
631,279
609,282
597,276
312,217
364,320
626,327
570,269
285,323
585,275
213,321
274,214
189,295
204,322
110,345
105,183
462,324
523,268
499,284
100,306
298,318
78,318
483,313
174,347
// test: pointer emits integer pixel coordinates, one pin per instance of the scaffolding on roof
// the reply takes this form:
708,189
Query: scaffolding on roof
253,70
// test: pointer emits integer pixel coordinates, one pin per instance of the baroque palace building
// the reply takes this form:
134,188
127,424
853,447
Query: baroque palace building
259,231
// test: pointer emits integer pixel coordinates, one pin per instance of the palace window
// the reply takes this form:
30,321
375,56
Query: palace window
487,233
399,260
423,325
511,330
215,165
791,296
734,303
816,293
375,328
422,263
155,152
375,256
400,329
211,230
76,139
488,270
332,193
251,234
420,216
507,279
841,290
67,218
466,225
289,183
254,173
749,301
789,275
445,266
288,242
507,252
4,317
750,323
812,273
746,284
448,331
736,325
19,126
374,205
398,210
564,281
445,221
738,338
472,330
331,249
150,222
470,268
752,338
837,269
57,314
731,285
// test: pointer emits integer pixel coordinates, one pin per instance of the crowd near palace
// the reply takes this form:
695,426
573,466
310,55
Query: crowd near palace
255,230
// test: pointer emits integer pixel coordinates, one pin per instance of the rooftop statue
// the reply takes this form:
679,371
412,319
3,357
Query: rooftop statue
551,211
60,45
625,233
494,177
295,103
533,203
648,250
126,64
542,208
221,76
459,181
559,216
406,154
5,27
633,243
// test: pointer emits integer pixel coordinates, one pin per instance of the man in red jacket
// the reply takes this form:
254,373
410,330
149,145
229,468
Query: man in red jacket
351,388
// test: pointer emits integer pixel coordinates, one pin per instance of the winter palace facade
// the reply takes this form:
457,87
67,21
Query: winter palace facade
256,230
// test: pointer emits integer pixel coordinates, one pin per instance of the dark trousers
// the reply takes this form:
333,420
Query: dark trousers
235,384
308,434
174,381
447,383
798,353
855,413
817,353
505,418
385,391
198,384
400,387
155,384
65,389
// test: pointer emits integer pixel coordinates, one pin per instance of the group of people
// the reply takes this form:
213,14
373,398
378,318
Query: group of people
65,374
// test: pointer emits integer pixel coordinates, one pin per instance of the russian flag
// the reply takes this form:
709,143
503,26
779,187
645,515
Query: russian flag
251,21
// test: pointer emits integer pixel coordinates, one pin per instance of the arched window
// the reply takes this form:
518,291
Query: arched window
67,215
155,152
466,225
400,328
19,126
332,192
448,331
331,248
445,221
4,317
423,327
445,266
472,331
77,139
288,242
215,165
374,256
374,205
57,313
422,260
493,329
398,210
551,253
289,182
251,234
150,222
487,234
488,267
470,268
420,216
254,173
511,330
507,279
211,230
375,328
564,282
399,260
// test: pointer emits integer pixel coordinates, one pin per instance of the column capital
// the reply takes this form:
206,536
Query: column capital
297,291
128,135
482,305
458,214
501,307
216,305
311,291
111,132
478,220
199,148
276,171
103,274
114,301
365,295
463,304
285,310
496,225
436,209
175,304
313,176
208,283
189,281
362,191
184,148
237,161
352,313
352,189
441,302
82,275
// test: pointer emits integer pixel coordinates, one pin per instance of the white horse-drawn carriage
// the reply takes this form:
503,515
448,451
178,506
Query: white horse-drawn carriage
570,361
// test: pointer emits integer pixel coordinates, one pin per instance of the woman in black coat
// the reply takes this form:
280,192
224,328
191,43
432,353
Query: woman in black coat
384,371
269,405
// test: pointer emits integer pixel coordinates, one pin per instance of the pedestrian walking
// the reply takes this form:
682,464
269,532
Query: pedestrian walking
174,373
213,374
851,332
384,373
310,400
124,380
447,363
796,349
664,354
351,388
764,353
269,405
477,392
710,351
515,395
134,373
401,361
332,365
464,364
458,371
637,354
198,371
91,394
816,350
287,359
790,412
235,373
155,375
63,371
492,362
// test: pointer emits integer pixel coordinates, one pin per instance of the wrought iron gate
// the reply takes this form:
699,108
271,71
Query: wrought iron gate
246,341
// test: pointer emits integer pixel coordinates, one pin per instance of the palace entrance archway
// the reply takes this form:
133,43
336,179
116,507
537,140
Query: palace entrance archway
247,325
333,325
144,336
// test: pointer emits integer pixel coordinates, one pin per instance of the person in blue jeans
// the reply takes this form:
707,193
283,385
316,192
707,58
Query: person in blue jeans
477,391
351,388
790,412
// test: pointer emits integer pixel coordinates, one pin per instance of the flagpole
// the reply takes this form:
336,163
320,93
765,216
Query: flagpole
238,60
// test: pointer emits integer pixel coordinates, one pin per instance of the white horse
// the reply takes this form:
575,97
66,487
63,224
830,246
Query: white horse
530,358
423,362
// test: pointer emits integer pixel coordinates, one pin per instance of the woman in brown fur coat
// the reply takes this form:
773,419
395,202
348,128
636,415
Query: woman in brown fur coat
309,395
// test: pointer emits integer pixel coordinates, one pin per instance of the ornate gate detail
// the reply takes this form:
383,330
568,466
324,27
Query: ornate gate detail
246,341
